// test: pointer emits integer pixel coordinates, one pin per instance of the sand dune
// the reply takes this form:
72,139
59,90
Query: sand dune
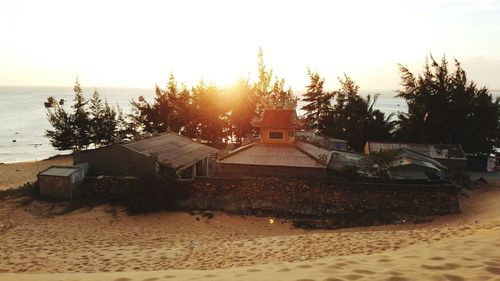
46,241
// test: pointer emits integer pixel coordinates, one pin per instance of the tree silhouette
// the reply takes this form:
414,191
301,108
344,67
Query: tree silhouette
353,117
445,107
243,108
103,122
96,123
80,120
319,103
269,91
61,137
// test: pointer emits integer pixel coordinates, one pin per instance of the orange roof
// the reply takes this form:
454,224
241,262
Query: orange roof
277,118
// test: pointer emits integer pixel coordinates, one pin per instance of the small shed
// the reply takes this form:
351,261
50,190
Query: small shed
151,156
60,181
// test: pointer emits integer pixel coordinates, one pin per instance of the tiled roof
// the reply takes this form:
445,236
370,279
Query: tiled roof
436,151
59,171
267,154
277,118
177,151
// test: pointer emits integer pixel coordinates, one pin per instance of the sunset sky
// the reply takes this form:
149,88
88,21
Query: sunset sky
137,43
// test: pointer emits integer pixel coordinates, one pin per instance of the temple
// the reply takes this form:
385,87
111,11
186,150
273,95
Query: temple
277,152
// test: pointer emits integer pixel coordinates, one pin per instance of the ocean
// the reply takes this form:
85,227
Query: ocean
23,117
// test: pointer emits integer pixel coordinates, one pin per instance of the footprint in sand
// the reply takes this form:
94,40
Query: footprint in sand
452,277
283,269
363,271
254,270
493,269
397,278
353,276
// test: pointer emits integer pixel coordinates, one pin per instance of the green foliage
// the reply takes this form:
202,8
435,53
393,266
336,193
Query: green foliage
263,83
344,114
62,136
80,120
445,107
243,108
27,189
96,123
319,103
350,173
269,91
381,162
212,118
103,122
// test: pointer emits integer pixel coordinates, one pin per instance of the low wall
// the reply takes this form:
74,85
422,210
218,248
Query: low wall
366,203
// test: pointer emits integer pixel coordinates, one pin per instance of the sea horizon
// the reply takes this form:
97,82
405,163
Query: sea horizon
24,118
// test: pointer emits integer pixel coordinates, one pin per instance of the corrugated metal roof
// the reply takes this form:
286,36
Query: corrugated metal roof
59,171
267,154
436,151
406,153
177,151
314,150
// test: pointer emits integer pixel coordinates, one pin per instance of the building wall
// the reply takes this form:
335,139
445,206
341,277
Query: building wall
286,139
238,171
116,160
55,187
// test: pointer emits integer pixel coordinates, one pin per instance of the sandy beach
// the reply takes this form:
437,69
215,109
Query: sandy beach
49,241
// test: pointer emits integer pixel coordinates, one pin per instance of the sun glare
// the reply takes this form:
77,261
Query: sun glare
138,45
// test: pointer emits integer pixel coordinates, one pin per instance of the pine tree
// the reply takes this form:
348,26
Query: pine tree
124,129
109,126
61,137
80,120
318,105
243,103
97,119
354,118
263,84
445,107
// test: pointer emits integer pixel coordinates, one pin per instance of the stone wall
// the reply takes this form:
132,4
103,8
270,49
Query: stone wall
116,160
351,204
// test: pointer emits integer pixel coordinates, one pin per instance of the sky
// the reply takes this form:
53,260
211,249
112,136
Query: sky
138,43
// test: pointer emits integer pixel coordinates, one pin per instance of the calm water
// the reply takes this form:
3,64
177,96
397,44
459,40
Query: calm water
23,117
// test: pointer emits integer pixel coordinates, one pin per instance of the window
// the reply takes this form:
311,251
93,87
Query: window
276,135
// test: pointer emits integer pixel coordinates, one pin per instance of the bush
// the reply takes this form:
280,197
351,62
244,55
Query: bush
350,173
27,189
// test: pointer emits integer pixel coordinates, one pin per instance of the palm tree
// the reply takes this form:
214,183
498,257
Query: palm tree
366,123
